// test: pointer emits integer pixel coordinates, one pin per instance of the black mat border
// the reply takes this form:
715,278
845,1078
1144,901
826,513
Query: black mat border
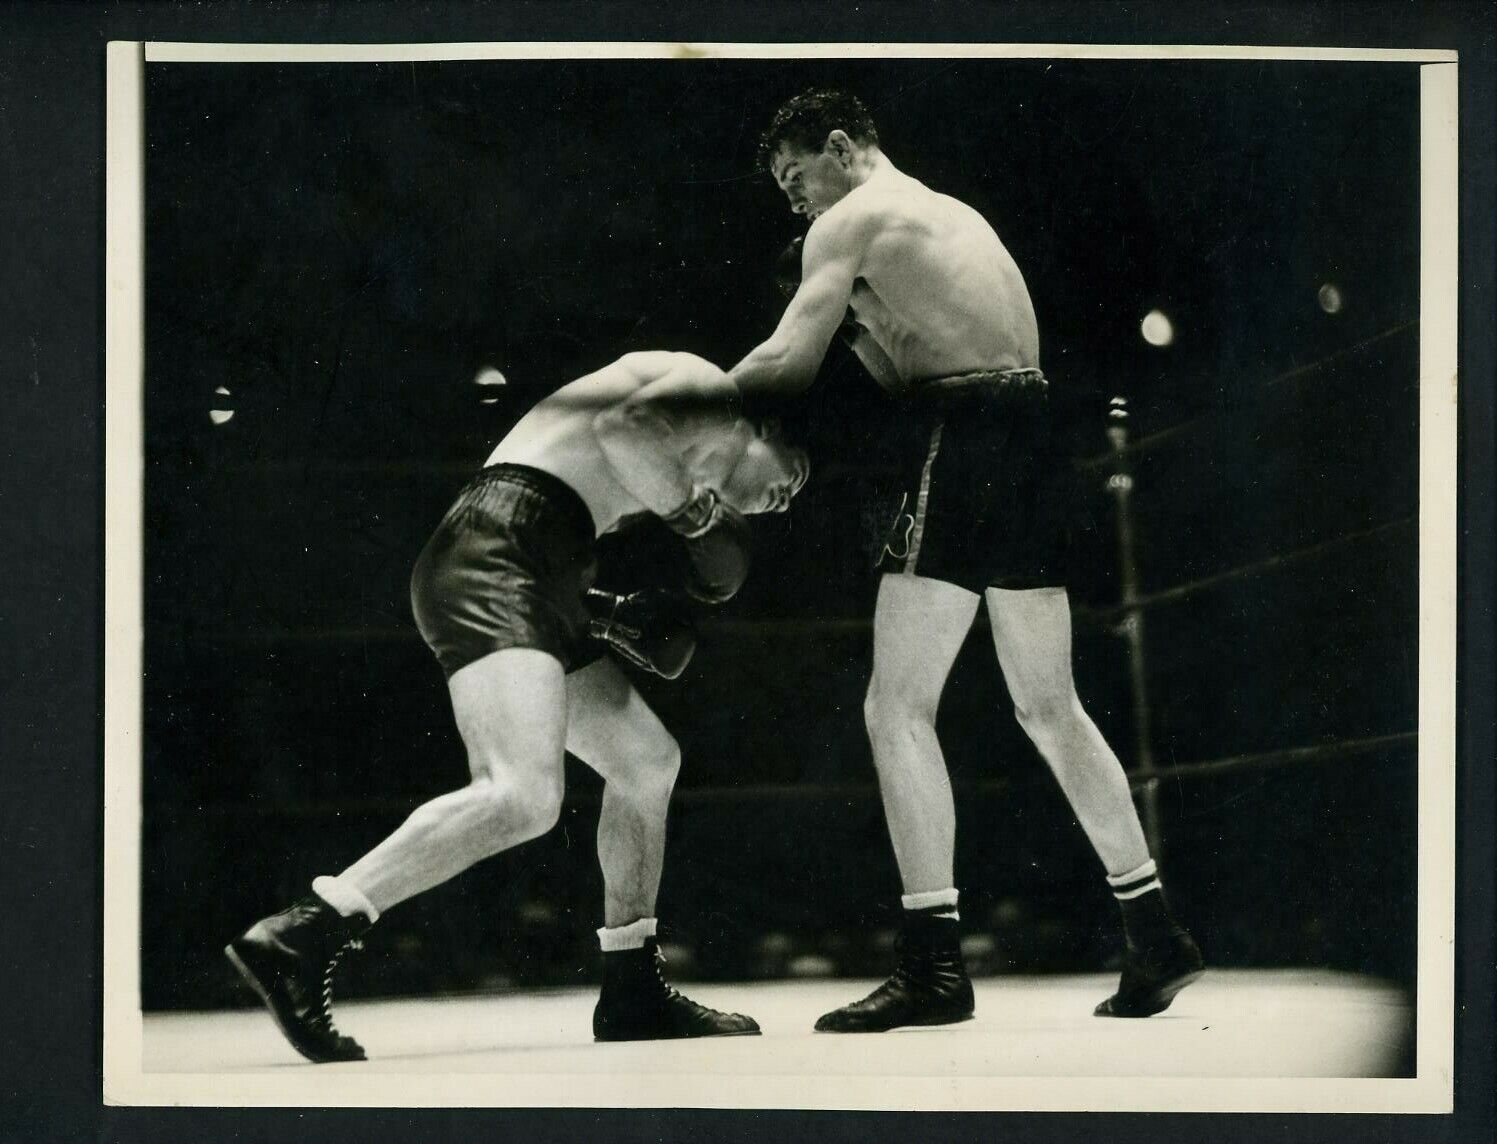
51,330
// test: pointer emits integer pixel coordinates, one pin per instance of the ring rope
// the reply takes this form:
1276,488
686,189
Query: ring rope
1268,563
1161,436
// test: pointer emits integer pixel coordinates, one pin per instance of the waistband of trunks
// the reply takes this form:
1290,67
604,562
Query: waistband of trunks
561,495
986,381
982,388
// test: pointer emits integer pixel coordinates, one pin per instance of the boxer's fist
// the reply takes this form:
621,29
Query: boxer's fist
650,629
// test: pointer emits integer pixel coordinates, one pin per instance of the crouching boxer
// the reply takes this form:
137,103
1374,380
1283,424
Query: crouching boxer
503,595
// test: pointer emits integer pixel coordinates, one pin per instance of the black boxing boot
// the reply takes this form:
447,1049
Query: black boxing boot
1160,959
637,1005
1152,975
929,986
289,959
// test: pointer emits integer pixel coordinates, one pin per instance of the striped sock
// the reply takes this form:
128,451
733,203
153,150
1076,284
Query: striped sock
938,903
1135,882
1140,895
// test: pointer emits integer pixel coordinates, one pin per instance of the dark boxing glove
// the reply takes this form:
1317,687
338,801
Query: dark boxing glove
787,268
650,629
717,540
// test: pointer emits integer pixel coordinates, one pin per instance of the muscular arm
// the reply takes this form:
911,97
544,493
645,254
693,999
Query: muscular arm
649,437
787,362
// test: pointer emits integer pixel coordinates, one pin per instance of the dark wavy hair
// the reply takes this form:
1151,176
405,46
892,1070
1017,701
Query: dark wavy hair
806,120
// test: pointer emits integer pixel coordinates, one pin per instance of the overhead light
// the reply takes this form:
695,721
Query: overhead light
488,375
1157,328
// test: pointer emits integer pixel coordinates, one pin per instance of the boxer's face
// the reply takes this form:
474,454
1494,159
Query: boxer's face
814,180
768,474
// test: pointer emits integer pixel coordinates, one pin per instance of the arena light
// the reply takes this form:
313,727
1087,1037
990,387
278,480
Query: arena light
1157,329
221,416
487,377
1329,297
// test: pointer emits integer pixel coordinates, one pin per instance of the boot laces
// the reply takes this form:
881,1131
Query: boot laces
325,1018
905,968
658,962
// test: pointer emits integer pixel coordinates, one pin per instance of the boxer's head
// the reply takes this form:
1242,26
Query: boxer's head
817,148
770,472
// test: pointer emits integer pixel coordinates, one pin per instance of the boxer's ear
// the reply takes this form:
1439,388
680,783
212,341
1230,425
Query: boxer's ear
838,146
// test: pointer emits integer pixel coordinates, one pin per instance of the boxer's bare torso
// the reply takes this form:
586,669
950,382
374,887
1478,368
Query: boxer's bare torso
935,289
932,289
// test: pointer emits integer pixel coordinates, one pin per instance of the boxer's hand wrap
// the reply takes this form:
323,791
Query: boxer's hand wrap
650,629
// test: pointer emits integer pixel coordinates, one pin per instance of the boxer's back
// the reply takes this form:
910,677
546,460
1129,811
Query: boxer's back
557,436
936,288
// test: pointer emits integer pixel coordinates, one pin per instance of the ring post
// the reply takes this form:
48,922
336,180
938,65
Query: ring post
1131,627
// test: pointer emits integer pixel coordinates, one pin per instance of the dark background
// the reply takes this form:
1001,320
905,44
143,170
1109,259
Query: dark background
342,246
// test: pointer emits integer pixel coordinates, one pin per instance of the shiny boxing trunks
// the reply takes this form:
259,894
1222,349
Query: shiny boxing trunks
985,499
507,567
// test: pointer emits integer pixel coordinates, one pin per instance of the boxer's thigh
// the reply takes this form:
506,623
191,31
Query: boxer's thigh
1032,635
611,728
919,625
511,711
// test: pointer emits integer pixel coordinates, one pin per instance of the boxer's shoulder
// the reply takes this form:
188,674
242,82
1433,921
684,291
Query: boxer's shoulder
872,211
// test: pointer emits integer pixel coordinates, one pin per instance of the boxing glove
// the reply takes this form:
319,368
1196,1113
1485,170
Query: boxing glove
787,268
650,629
717,541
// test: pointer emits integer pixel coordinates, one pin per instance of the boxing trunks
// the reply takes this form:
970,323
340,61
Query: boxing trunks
507,567
986,489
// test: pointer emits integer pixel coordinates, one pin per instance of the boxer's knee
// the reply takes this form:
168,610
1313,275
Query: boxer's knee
508,808
1048,716
655,768
896,714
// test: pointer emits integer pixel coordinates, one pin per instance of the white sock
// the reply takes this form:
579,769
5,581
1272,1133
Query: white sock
631,936
928,898
345,898
1135,882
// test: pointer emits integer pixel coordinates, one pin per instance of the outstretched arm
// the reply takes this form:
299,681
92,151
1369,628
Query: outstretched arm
649,437
788,361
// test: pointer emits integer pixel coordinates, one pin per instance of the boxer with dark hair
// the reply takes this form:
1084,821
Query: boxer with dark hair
503,595
938,312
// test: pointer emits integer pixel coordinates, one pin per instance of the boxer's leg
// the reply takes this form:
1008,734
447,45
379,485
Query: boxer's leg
918,627
510,708
1032,633
511,711
613,730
